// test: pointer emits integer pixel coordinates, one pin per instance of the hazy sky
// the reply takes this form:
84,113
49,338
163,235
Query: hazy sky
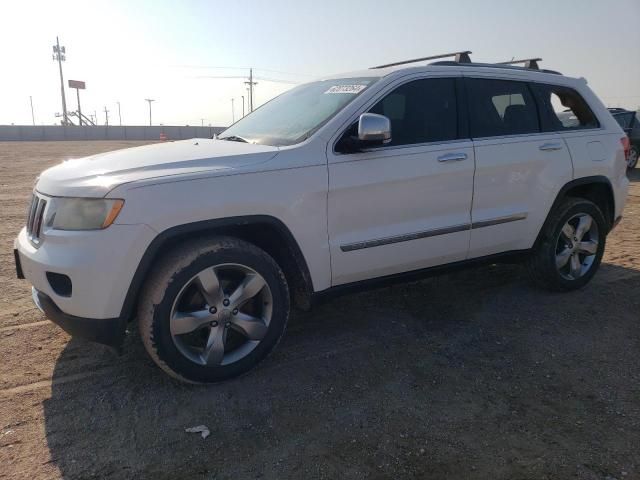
169,50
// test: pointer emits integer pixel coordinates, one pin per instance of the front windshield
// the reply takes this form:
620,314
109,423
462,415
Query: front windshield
293,116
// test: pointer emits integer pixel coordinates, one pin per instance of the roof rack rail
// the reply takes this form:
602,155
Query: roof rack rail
446,63
531,63
460,57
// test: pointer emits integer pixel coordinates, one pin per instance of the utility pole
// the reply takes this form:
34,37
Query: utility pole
202,122
78,85
59,54
233,113
149,100
242,106
33,118
79,109
119,114
251,83
106,116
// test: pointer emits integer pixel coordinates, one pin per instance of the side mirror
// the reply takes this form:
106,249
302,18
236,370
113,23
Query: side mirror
374,129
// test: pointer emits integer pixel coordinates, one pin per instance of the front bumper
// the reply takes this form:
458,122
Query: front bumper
108,331
99,263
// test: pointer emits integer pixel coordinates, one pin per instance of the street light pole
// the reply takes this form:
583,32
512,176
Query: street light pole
59,54
242,106
149,100
233,113
119,114
33,118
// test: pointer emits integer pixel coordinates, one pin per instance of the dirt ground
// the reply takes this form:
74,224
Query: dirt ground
469,375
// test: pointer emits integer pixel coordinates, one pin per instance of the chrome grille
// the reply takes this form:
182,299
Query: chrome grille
35,218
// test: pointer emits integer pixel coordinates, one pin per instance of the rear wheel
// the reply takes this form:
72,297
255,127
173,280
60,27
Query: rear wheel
571,247
213,310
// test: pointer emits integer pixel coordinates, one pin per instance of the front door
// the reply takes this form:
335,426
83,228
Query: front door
406,205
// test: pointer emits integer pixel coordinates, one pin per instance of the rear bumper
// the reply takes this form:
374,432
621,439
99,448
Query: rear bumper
107,331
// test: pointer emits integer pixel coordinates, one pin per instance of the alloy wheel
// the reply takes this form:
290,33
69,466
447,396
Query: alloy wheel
577,246
221,314
632,159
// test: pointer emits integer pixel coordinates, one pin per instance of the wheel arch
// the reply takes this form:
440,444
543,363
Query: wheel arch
264,231
596,188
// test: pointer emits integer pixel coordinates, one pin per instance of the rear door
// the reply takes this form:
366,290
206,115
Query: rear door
519,168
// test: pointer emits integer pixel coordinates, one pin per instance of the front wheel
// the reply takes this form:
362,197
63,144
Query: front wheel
571,246
213,309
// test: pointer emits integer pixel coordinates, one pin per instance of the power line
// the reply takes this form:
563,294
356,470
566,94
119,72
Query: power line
217,67
276,80
266,79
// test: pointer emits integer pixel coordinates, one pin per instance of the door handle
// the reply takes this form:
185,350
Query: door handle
546,147
452,157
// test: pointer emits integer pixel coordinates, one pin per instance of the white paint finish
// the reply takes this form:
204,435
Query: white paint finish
100,263
596,151
325,200
297,197
514,176
96,175
613,167
397,191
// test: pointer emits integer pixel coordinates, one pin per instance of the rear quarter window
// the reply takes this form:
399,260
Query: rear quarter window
563,108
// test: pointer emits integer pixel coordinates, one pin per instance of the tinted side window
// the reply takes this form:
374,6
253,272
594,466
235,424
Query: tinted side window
563,108
421,111
501,107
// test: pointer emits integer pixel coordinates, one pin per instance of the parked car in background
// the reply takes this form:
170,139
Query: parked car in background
630,123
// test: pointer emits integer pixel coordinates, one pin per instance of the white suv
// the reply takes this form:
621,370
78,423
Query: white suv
369,175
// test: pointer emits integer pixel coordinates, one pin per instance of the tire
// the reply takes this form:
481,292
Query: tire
213,309
554,246
632,161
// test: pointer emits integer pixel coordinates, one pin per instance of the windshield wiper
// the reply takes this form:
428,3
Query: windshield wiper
234,138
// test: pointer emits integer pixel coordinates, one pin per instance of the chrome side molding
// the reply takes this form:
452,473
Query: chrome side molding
350,247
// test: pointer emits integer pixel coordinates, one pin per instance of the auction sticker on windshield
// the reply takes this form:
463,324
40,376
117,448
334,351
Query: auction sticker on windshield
346,89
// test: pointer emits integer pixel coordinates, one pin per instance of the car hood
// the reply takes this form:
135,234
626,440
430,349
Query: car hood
96,175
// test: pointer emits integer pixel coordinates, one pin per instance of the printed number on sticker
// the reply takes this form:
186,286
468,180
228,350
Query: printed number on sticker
346,89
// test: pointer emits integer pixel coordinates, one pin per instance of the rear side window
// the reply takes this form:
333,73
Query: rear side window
563,108
421,111
501,107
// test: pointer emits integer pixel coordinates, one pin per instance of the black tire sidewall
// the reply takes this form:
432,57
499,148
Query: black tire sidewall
549,248
165,346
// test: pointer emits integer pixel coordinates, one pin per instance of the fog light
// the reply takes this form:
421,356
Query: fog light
60,283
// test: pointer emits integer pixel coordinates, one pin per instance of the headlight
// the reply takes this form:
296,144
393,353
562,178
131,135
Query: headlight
82,213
